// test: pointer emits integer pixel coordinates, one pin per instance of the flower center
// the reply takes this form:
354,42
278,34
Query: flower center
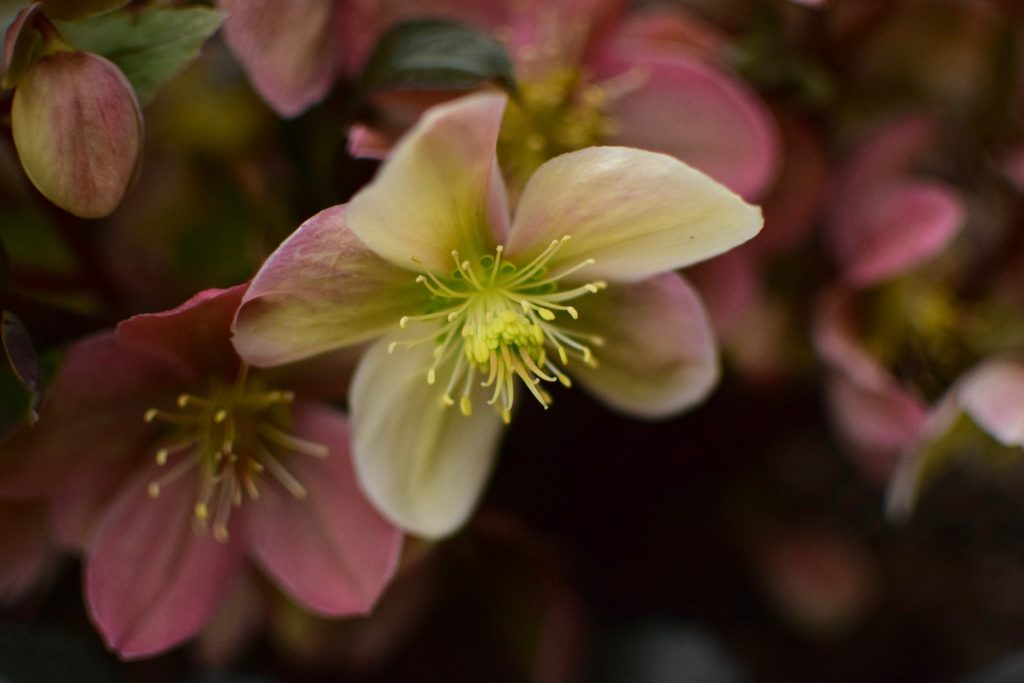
557,113
232,435
500,322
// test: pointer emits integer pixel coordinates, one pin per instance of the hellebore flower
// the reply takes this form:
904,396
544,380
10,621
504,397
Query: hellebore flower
180,462
581,82
473,310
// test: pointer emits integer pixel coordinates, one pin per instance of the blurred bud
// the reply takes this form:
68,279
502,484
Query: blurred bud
77,126
79,9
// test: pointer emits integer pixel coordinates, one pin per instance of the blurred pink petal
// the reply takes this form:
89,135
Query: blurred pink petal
290,50
696,114
880,423
728,285
671,29
151,581
332,551
895,228
993,395
25,547
883,220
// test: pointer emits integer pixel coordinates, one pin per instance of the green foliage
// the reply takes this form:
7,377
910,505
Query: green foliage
150,46
435,54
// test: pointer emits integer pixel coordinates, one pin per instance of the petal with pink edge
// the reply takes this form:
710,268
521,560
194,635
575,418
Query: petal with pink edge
151,581
423,465
332,551
658,356
699,115
288,48
432,194
635,213
993,395
320,290
894,228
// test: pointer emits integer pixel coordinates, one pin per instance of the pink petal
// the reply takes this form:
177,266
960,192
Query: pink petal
993,395
895,228
322,289
331,551
696,114
93,417
151,581
671,29
879,423
25,547
196,334
289,49
659,354
728,284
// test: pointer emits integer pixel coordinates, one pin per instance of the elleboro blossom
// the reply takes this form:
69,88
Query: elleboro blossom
170,461
475,311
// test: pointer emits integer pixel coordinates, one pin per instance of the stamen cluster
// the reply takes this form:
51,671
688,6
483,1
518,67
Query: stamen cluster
499,323
232,435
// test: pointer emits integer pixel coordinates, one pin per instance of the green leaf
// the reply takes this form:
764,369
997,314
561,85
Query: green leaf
78,9
150,46
435,54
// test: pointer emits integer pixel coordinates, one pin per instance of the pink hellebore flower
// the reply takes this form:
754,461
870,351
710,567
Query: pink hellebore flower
201,463
584,81
883,222
469,306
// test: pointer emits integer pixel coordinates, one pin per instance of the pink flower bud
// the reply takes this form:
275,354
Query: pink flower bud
78,129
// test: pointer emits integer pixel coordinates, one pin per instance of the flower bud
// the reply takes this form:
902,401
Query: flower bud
78,130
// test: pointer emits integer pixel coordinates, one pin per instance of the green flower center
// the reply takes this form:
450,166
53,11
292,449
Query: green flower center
558,113
232,436
499,324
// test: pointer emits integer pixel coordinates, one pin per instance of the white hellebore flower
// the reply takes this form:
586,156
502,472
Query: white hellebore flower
473,310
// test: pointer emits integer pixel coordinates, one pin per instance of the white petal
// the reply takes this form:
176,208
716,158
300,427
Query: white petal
424,465
636,213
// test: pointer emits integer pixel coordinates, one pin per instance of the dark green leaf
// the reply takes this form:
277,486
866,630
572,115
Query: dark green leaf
79,9
150,46
434,54
21,356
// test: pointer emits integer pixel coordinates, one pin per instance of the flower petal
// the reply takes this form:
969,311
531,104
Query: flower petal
895,228
993,395
332,551
195,334
422,464
320,290
151,581
288,49
431,195
697,114
93,417
658,356
636,213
